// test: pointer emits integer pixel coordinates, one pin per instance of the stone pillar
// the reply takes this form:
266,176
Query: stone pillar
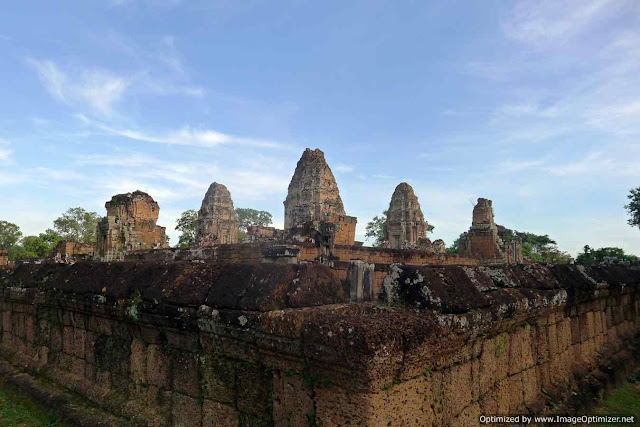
361,278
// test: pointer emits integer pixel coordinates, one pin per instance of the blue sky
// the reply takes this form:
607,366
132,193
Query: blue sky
535,105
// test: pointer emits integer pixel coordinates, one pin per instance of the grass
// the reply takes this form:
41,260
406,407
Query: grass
623,401
17,410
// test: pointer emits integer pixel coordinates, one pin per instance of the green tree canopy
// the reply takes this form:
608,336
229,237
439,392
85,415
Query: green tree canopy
77,224
39,246
609,254
541,248
634,207
374,231
455,246
187,225
10,234
248,217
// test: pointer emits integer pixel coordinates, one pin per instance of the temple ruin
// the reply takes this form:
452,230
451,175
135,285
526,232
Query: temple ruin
303,326
488,242
217,222
4,257
70,251
313,207
317,230
130,225
405,227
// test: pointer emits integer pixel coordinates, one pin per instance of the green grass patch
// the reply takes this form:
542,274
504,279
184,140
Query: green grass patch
17,410
623,401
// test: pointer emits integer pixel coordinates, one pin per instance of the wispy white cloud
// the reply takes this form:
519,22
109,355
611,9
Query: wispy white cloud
510,166
556,21
622,119
97,89
179,180
147,3
339,167
206,138
6,153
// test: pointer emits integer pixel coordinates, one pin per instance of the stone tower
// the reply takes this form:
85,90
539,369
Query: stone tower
217,222
313,206
313,192
130,225
405,226
487,241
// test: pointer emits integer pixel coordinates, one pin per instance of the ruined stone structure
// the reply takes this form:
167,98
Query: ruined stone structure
130,225
69,251
257,234
198,344
217,221
405,227
484,240
439,246
4,257
313,207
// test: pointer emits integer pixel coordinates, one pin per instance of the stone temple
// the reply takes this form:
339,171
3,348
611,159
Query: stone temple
313,203
405,227
284,330
487,241
217,222
317,230
130,225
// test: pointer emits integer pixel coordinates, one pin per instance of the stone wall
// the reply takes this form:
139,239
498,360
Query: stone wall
226,345
346,229
4,257
269,252
66,250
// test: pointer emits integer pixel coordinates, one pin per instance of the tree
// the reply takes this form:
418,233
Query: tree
187,225
455,246
376,229
250,217
39,246
10,234
609,255
78,225
634,207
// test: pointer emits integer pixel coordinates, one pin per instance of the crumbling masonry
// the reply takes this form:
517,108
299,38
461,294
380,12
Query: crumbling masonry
217,222
487,241
313,207
130,225
405,227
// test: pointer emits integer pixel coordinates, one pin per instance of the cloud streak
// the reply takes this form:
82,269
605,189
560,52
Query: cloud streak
97,89
196,137
6,153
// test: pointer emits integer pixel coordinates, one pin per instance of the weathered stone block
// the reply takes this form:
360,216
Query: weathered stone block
67,340
257,385
292,399
218,378
79,342
137,364
216,414
184,368
185,411
157,366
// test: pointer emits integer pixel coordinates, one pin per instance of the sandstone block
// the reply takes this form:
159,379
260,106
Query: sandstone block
216,414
